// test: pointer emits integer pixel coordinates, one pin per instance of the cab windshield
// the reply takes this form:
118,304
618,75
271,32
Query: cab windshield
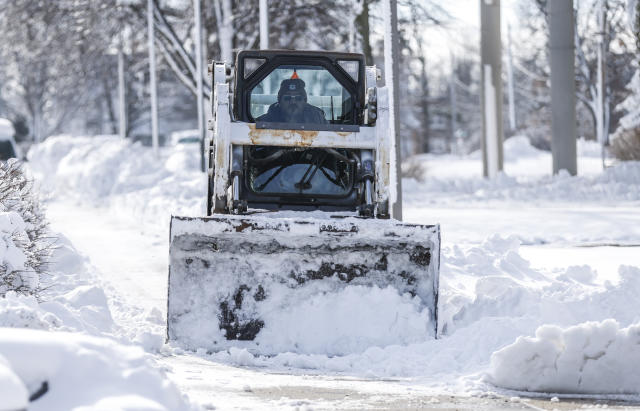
306,94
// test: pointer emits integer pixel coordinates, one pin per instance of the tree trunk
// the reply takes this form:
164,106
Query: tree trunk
362,25
108,101
424,109
637,26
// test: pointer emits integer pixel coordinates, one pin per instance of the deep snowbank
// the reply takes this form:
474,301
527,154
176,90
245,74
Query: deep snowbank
527,178
97,373
489,296
106,170
13,392
83,373
590,358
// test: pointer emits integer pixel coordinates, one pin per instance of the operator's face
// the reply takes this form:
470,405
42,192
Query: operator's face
292,103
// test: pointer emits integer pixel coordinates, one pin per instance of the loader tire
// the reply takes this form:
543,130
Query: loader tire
210,192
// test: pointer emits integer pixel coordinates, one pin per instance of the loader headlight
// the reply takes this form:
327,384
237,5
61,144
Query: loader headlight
371,112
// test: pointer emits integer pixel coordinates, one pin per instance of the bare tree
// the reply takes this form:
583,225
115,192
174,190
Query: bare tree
615,38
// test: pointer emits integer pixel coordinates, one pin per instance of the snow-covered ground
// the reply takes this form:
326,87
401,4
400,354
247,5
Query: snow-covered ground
539,283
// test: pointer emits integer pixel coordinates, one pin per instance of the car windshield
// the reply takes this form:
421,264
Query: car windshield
301,94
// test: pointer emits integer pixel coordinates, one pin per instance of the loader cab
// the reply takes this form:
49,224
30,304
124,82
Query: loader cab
332,82
327,91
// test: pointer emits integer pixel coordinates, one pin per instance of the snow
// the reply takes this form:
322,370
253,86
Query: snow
533,268
85,372
590,358
11,256
632,8
67,337
13,260
127,177
12,390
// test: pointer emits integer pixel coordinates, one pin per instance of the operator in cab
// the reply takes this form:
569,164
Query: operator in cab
292,106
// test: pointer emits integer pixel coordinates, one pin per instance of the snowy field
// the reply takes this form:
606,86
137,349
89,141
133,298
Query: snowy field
538,295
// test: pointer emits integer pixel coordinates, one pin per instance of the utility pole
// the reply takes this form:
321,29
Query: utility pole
197,15
601,122
453,101
491,101
264,25
510,85
391,71
152,79
122,103
563,93
225,28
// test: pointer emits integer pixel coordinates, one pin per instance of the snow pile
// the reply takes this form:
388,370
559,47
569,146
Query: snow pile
128,177
84,373
71,299
81,371
12,390
517,147
21,311
325,323
590,358
620,183
489,297
494,281
344,322
527,177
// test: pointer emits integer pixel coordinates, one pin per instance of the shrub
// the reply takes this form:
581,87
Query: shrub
626,145
29,236
413,168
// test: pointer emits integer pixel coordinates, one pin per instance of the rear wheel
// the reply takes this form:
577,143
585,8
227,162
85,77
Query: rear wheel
210,192
210,175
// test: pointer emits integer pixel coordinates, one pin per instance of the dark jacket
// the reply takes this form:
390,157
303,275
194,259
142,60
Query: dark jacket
310,114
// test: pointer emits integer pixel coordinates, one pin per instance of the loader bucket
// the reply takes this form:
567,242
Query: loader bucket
226,272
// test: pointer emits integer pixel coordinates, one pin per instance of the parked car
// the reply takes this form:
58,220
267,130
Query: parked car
8,147
146,139
185,137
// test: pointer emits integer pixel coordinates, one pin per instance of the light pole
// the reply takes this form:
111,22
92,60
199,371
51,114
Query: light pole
491,101
152,78
563,93
264,25
391,65
198,42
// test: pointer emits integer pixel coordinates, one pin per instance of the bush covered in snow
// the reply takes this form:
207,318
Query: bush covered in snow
626,145
24,247
413,168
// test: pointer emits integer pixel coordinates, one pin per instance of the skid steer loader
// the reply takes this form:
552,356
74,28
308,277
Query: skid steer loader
298,201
